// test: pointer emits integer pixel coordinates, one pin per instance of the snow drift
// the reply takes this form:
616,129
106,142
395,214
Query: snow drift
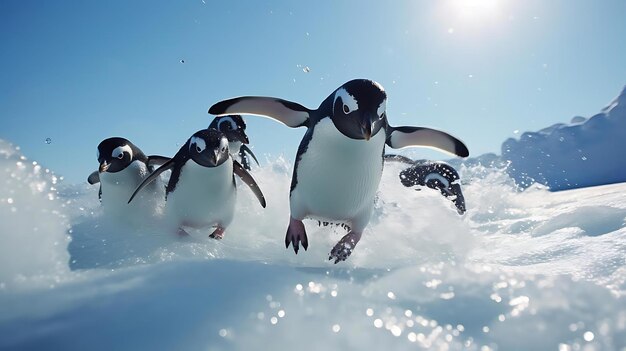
519,271
585,152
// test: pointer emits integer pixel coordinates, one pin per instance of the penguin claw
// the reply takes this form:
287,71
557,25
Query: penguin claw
296,235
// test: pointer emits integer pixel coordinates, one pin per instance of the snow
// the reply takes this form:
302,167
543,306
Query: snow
530,270
585,152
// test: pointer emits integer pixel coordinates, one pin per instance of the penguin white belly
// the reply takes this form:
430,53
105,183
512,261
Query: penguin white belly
203,196
119,186
337,177
234,147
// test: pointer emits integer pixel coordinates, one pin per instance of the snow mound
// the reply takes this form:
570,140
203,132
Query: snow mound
33,226
583,153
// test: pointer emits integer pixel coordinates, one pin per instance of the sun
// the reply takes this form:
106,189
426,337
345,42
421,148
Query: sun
476,9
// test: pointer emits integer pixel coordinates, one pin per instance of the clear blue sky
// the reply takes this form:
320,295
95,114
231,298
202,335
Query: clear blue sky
81,71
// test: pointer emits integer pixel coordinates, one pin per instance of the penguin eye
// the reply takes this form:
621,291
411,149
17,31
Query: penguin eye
120,156
346,109
226,127
198,149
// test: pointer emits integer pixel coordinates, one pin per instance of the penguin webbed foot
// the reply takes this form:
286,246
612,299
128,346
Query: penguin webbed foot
218,233
296,235
343,249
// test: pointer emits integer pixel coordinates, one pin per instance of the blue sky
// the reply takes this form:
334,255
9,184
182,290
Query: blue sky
81,71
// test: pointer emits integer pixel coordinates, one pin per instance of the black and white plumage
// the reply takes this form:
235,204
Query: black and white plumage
339,161
123,166
433,174
234,127
201,190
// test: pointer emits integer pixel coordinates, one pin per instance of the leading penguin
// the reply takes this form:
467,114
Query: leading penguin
234,127
201,191
123,166
339,161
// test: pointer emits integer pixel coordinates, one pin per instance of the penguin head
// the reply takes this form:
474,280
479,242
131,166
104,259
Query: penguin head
232,126
115,154
209,148
359,108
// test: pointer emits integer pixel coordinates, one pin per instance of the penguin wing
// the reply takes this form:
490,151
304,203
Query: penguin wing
157,160
247,178
290,113
398,158
399,137
93,178
243,149
164,167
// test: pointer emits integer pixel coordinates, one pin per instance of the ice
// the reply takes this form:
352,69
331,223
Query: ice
520,270
589,151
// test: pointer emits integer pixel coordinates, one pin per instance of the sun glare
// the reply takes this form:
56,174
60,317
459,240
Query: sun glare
476,9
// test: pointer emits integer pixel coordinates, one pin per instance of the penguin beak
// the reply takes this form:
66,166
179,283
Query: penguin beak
237,135
366,128
215,156
104,166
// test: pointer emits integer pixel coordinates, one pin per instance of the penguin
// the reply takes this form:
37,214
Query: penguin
436,175
234,127
201,191
339,162
123,166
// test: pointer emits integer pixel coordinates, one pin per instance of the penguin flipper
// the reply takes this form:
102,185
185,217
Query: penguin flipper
247,178
290,113
399,137
398,158
164,167
243,149
157,160
93,178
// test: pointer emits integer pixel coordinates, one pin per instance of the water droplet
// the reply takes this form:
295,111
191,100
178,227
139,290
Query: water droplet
369,312
336,328
48,141
306,69
588,336
183,61
378,323
584,158
223,333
